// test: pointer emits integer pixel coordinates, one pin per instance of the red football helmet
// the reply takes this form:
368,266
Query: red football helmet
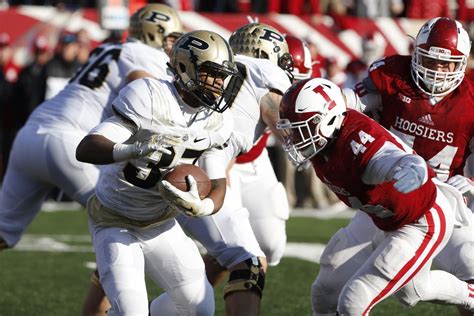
311,111
299,50
445,40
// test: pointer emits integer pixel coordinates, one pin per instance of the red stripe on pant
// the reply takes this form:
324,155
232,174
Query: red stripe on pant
413,261
471,290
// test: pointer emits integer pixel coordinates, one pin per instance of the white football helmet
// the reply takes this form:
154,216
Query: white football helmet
445,40
311,112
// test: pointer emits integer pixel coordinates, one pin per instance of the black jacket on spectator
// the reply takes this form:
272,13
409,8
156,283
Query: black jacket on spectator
30,89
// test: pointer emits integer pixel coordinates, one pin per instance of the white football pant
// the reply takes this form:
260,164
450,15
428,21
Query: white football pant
165,254
363,265
39,162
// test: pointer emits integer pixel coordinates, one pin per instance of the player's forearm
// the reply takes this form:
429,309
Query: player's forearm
95,149
217,193
269,111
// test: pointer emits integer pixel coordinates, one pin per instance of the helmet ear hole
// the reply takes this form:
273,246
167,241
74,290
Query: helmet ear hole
182,67
331,121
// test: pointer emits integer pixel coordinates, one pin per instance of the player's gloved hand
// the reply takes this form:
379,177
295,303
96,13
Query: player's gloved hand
188,202
461,183
152,148
408,178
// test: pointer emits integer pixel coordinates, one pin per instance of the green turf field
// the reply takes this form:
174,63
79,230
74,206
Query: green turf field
35,280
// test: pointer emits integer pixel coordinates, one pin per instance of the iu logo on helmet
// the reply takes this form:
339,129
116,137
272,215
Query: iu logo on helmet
269,35
157,16
195,42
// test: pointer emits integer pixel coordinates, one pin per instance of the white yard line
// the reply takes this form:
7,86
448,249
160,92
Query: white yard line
59,243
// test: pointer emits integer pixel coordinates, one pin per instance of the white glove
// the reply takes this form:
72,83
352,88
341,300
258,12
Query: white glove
156,144
408,178
461,183
188,202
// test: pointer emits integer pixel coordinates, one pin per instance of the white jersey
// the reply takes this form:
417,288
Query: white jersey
260,76
129,188
85,101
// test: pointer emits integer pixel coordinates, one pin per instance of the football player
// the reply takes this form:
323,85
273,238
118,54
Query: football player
232,242
158,124
370,169
56,127
419,99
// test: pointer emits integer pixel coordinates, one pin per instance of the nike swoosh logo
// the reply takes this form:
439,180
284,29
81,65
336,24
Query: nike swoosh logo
197,140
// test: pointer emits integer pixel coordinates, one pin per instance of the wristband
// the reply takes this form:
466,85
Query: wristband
123,152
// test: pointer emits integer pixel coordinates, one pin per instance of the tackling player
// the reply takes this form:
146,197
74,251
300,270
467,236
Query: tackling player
425,101
372,170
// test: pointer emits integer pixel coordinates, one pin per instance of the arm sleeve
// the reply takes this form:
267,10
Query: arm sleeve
137,56
115,129
134,101
214,162
365,98
382,164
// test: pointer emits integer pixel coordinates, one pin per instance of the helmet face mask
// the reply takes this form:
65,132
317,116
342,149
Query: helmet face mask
203,66
156,25
440,56
262,41
302,141
312,111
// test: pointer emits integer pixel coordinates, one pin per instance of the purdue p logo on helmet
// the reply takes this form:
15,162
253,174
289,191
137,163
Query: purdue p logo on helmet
198,56
153,23
260,40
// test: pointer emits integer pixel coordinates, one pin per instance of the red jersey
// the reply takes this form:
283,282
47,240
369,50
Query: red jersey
341,166
439,133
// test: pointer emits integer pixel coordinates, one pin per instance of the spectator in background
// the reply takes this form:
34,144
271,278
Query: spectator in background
7,65
375,8
84,46
335,8
465,14
426,9
373,47
63,65
228,6
31,86
334,72
8,77
317,60
295,7
356,70
115,36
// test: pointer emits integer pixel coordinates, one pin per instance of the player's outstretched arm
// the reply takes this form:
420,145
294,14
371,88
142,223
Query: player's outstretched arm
95,149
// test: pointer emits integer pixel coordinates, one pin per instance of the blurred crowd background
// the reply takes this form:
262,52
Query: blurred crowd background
34,68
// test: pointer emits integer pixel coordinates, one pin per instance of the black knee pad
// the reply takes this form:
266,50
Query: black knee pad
251,279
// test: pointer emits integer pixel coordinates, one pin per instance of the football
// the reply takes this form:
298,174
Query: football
177,177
